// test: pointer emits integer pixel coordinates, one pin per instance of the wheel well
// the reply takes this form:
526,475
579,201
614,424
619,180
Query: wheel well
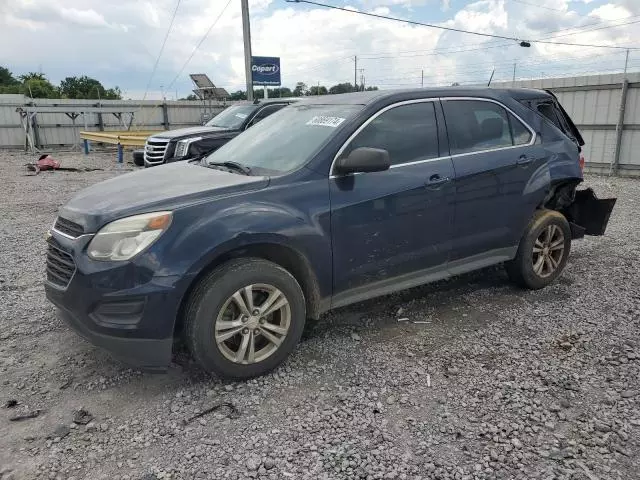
561,195
288,258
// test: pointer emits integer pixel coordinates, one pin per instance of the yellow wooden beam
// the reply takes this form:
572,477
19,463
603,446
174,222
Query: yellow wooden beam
124,138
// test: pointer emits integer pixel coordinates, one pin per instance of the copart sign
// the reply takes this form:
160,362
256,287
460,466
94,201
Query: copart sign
265,70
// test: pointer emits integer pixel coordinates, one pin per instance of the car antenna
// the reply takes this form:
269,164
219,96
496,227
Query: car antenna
491,77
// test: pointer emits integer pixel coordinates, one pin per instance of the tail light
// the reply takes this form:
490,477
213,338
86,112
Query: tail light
581,162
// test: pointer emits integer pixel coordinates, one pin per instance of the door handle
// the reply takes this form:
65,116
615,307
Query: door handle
524,160
435,181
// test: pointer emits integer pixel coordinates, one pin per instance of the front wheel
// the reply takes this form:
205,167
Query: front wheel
543,251
245,318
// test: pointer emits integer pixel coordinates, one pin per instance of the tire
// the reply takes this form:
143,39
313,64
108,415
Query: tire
537,269
214,303
138,158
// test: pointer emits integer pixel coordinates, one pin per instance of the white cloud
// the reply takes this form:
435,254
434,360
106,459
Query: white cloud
118,41
610,11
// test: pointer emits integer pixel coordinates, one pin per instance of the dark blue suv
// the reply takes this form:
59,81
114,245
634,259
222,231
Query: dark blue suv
330,201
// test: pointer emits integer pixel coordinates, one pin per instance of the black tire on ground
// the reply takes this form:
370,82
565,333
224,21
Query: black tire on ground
138,158
216,290
540,259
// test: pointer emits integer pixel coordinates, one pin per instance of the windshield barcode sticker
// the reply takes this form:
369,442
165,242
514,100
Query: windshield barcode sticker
322,121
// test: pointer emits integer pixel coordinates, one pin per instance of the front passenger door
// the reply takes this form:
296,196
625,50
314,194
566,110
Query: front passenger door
389,226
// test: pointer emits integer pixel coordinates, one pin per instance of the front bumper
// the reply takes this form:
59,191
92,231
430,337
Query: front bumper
124,307
148,354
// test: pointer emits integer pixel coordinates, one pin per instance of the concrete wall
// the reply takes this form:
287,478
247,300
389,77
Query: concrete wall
57,129
593,102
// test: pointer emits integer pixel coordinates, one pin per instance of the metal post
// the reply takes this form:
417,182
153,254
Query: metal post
120,154
246,34
514,74
87,148
613,168
36,131
165,116
355,72
100,119
422,79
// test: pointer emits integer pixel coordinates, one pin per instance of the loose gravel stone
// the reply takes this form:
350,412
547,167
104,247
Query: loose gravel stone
488,391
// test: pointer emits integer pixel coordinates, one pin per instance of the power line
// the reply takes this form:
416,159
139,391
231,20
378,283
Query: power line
198,45
164,42
580,29
539,6
451,29
412,22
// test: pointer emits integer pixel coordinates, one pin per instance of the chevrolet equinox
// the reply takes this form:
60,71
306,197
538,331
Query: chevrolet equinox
327,202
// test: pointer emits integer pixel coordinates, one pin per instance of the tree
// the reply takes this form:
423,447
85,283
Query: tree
342,88
36,85
87,88
300,90
7,78
238,95
190,97
318,90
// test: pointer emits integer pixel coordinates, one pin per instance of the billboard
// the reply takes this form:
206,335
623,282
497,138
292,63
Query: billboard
265,71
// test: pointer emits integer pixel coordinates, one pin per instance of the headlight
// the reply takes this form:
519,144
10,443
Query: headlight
125,238
182,147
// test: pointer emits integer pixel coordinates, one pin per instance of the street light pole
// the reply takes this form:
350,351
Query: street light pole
246,35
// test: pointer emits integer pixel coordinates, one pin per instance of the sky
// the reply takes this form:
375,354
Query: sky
118,42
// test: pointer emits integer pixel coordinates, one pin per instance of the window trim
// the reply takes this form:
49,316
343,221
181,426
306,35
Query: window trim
433,100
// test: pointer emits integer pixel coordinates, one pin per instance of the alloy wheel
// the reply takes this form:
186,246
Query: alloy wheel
548,251
252,323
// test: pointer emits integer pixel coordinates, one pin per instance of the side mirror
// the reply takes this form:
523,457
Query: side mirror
363,159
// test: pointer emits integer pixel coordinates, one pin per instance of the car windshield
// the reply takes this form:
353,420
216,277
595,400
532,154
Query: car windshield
232,117
286,140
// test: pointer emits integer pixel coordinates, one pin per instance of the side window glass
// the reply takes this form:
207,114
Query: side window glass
549,112
408,132
475,125
265,112
521,134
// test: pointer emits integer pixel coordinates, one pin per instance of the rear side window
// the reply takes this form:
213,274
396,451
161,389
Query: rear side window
408,132
521,134
475,125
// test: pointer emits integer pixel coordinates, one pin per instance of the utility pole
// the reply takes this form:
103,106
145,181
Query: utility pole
246,35
626,63
355,72
422,79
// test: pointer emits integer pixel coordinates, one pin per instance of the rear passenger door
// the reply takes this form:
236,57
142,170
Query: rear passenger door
389,226
493,163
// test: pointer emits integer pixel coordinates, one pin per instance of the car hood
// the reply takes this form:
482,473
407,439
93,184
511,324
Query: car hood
192,132
165,187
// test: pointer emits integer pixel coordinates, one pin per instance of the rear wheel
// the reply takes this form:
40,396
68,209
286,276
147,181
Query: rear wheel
245,318
543,251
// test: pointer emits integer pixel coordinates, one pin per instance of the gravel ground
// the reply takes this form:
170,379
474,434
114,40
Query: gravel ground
482,381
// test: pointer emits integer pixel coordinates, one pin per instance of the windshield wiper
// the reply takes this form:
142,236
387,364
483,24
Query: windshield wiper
232,165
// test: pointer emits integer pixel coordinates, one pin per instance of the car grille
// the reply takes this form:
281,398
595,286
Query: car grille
68,227
60,265
155,150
